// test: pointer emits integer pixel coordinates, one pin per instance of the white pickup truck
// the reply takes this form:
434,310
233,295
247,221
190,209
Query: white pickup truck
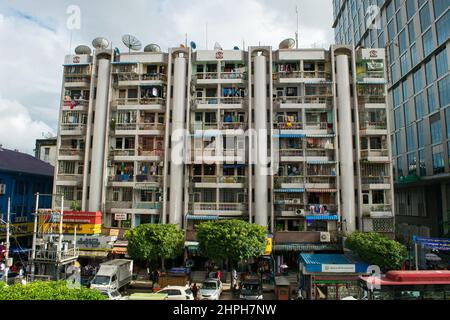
113,275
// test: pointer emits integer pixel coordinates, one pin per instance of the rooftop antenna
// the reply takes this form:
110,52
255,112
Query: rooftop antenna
296,34
185,40
206,35
131,42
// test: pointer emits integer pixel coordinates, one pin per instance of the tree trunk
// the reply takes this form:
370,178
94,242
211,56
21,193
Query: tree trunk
162,264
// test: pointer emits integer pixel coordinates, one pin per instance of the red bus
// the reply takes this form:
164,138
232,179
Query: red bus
406,285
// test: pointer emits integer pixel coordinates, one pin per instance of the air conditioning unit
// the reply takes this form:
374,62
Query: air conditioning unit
2,188
300,212
325,237
296,201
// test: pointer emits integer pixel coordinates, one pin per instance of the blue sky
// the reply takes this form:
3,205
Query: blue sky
35,38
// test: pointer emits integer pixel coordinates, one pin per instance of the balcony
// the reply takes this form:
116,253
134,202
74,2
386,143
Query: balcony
69,179
150,129
237,182
223,103
135,79
301,76
306,102
288,125
147,207
319,154
373,128
119,206
372,101
233,126
78,80
148,104
76,105
55,256
219,77
375,155
213,155
380,225
300,237
318,128
70,154
320,183
222,209
377,211
376,183
290,182
291,155
73,129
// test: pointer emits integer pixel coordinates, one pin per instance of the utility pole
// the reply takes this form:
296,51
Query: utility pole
60,238
33,248
296,34
8,215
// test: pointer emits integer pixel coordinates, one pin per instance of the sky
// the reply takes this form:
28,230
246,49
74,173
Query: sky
36,35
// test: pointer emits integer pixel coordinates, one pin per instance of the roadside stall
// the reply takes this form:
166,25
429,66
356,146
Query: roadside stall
329,276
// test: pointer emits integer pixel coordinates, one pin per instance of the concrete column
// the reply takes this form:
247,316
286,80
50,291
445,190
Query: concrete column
178,121
347,209
99,135
261,177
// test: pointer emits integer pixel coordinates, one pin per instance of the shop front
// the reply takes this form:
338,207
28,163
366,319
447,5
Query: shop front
329,276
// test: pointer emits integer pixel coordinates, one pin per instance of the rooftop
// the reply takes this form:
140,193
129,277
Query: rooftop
15,161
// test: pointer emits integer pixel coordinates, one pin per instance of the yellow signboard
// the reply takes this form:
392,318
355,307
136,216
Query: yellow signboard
17,229
268,250
69,228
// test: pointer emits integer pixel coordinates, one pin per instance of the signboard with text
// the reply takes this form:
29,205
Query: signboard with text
338,268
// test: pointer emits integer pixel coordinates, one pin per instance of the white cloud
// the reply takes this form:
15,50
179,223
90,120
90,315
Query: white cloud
17,129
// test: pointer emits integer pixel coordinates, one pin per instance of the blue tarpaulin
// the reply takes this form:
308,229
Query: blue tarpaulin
318,263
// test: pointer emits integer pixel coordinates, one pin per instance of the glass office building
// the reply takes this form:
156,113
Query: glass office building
415,34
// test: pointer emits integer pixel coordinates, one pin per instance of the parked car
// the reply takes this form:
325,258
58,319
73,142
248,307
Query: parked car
211,289
177,293
113,295
251,290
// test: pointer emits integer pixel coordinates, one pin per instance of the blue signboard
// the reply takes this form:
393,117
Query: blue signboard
433,243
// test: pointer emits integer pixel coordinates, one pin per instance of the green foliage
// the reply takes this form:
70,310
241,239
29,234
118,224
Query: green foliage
236,240
377,249
148,242
48,290
75,206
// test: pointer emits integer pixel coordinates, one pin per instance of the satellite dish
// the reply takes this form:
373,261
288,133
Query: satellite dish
287,44
193,45
83,50
236,48
131,42
100,43
152,48
217,46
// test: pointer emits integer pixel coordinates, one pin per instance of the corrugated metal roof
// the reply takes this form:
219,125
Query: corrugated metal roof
320,258
21,162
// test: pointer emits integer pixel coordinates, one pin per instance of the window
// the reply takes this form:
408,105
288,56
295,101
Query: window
414,59
439,7
404,67
443,28
398,118
444,91
438,159
420,134
405,90
410,8
427,40
447,121
412,163
420,106
436,131
429,72
411,32
402,44
377,196
422,164
398,142
391,31
425,19
410,138
417,79
441,63
432,106
399,166
408,114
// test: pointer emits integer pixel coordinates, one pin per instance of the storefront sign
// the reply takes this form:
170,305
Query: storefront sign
76,59
18,229
372,54
120,217
338,268
268,249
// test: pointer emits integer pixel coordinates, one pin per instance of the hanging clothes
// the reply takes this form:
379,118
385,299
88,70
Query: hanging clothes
155,92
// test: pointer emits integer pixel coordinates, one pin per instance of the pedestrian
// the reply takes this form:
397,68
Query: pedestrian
14,268
233,277
194,290
219,274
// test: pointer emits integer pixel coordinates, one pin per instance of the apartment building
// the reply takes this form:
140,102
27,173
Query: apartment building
415,34
292,139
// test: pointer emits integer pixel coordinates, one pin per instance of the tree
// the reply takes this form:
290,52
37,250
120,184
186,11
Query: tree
48,290
377,249
149,242
235,240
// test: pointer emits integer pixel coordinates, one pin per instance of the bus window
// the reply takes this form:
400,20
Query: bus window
407,295
430,294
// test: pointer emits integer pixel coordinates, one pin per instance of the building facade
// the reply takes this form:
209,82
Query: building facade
21,177
292,139
46,150
415,34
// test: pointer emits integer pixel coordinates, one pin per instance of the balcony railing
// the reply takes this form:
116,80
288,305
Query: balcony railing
148,178
217,179
120,204
128,76
150,153
205,126
70,152
290,179
304,74
77,78
219,100
291,152
234,126
77,103
139,126
322,180
154,77
305,99
232,75
206,75
363,99
218,206
141,101
73,126
121,178
147,205
318,125
70,177
124,152
57,256
377,208
376,180
373,125
315,152
375,153
288,125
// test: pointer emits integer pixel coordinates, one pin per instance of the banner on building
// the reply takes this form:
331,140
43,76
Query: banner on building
433,243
